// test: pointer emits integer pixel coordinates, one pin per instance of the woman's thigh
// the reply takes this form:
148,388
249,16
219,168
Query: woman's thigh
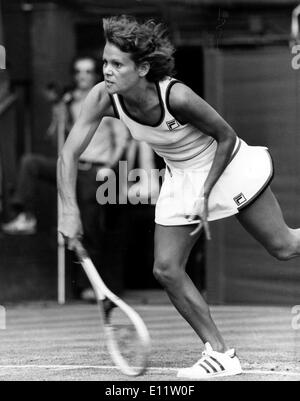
173,243
265,222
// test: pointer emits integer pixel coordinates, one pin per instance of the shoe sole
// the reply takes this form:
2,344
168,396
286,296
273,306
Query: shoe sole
211,376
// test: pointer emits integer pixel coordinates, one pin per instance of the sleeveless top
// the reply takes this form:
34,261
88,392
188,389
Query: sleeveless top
180,145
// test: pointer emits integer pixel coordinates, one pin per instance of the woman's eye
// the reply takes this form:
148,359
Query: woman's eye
117,65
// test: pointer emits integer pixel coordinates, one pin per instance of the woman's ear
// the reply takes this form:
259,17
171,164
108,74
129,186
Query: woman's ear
143,69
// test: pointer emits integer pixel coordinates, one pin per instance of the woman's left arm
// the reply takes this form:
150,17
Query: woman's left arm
188,107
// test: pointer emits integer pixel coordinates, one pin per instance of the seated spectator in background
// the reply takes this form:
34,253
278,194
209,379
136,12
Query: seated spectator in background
104,151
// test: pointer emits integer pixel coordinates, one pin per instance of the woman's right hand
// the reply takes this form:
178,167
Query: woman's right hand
70,226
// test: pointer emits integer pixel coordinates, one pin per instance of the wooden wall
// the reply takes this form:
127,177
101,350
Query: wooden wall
52,48
7,135
37,55
3,72
258,92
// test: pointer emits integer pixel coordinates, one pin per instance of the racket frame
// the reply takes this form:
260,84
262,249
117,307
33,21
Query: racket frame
102,292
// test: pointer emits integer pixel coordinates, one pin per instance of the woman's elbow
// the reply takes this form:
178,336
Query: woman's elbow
230,132
229,136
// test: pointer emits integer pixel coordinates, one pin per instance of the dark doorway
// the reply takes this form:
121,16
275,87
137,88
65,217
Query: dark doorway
189,67
89,38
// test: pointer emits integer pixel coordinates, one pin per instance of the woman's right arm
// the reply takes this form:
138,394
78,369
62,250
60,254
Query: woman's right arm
96,106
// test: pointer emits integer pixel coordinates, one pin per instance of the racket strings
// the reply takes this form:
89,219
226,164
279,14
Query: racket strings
127,341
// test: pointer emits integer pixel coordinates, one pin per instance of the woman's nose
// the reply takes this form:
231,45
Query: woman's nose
106,70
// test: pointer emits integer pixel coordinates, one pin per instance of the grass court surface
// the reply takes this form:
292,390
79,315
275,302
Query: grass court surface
51,342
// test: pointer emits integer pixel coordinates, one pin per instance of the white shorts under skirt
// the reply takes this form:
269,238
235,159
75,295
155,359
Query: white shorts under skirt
247,175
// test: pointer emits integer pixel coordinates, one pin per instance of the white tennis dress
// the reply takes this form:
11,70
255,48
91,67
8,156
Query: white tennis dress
188,154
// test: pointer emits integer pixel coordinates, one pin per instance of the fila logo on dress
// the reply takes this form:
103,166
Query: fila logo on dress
172,124
240,199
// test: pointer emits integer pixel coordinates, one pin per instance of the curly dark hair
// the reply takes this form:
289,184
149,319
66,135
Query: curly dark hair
145,41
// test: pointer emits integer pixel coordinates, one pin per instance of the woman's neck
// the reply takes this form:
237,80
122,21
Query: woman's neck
140,95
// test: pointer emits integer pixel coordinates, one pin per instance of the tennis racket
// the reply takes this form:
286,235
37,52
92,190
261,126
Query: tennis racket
127,337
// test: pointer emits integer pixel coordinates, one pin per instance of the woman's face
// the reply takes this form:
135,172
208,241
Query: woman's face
119,70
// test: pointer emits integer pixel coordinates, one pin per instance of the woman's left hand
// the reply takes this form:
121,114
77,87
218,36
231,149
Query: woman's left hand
201,211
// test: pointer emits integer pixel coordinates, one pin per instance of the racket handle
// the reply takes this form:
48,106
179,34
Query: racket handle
79,249
89,269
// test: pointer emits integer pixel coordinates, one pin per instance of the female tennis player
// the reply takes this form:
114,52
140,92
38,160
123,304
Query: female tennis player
211,173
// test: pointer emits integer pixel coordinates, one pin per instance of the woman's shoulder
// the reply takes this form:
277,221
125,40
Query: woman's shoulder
99,91
178,90
99,97
178,96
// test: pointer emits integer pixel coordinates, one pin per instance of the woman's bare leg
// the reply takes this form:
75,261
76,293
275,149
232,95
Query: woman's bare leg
265,222
173,245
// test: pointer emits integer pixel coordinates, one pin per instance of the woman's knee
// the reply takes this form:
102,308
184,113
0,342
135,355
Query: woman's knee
282,249
167,271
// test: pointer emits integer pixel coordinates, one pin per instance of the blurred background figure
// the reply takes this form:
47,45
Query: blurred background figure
104,151
37,166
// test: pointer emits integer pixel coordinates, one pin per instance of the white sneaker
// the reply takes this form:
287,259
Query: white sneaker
213,364
22,224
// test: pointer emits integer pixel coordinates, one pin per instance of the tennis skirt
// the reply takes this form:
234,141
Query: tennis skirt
247,175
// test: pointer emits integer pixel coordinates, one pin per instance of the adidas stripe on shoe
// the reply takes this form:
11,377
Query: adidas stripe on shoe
213,364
